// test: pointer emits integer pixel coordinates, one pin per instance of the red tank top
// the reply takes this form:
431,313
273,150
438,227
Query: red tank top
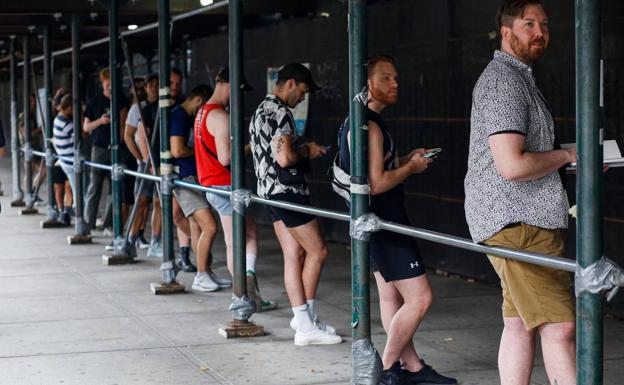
210,171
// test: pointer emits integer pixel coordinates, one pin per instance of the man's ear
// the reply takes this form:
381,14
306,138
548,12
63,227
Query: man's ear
505,33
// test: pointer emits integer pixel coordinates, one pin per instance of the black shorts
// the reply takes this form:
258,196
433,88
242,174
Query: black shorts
395,256
58,175
127,183
289,217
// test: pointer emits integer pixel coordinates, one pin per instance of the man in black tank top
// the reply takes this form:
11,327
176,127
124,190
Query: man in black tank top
404,290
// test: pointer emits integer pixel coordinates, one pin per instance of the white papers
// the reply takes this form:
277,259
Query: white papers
611,153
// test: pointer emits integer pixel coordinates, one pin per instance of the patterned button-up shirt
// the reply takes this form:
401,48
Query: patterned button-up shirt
506,99
272,119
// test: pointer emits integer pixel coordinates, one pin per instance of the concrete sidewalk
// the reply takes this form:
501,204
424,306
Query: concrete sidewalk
67,319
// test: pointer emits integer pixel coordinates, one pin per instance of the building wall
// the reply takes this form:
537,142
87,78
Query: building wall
441,48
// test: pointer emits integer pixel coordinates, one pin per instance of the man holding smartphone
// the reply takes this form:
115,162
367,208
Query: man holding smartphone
97,124
404,290
276,148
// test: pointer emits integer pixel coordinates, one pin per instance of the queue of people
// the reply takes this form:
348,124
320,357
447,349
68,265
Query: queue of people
514,195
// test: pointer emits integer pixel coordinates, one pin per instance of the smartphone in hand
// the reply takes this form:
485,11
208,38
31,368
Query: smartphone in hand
432,152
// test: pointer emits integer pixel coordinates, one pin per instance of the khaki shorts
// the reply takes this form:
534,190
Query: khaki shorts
534,293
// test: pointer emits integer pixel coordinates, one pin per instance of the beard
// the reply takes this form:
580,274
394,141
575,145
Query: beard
384,97
528,52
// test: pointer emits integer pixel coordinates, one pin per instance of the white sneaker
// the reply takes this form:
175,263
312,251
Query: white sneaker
316,337
204,283
155,250
109,247
223,282
328,328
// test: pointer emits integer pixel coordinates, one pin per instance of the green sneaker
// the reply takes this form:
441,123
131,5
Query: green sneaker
253,291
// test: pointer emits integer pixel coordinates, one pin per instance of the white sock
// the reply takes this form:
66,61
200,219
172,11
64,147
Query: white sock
302,318
311,310
251,262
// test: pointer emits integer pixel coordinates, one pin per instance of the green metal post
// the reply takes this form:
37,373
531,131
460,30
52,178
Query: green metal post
360,284
82,228
589,333
28,156
47,106
18,194
117,175
236,127
168,267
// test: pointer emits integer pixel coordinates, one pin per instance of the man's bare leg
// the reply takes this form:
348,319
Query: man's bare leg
416,294
516,352
559,350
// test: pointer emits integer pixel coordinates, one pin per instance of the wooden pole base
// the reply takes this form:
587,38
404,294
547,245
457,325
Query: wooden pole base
78,239
159,288
241,329
27,211
111,260
51,224
18,203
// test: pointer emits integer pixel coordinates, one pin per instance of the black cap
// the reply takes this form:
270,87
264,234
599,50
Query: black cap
150,77
223,76
299,73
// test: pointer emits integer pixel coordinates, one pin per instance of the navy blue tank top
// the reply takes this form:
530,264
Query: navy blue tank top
389,205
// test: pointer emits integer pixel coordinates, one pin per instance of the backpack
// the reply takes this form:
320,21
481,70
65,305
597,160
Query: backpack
341,180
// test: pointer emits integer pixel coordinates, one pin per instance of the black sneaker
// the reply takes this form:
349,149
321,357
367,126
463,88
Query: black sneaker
391,376
425,376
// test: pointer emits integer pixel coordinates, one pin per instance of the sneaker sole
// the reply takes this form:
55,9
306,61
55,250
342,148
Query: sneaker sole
307,343
203,289
293,327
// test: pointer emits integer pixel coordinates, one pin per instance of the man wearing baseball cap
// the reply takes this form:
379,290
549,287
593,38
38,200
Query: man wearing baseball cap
280,161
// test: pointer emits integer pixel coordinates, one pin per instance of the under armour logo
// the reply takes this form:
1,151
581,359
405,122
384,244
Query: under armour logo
415,264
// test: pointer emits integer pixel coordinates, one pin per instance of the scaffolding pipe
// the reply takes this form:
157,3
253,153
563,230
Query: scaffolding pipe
115,81
18,194
360,264
49,134
169,270
236,127
81,227
142,28
26,90
589,334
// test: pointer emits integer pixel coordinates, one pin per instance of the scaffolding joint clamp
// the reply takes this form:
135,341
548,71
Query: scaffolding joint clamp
240,200
118,171
28,152
367,365
242,308
169,271
49,157
362,227
604,275
167,183
78,163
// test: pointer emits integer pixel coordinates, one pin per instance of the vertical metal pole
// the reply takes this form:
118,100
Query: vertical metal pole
18,194
117,175
47,84
28,156
236,127
168,267
359,167
82,229
589,333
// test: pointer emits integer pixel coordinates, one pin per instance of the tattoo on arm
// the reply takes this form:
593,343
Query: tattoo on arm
278,145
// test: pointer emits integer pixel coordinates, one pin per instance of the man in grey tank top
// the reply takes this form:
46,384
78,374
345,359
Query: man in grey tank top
515,197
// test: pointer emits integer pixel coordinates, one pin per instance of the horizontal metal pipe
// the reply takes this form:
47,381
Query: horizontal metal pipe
466,244
97,165
141,175
427,235
140,29
38,153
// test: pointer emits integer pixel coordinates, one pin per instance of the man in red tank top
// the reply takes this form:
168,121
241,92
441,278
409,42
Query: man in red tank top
212,155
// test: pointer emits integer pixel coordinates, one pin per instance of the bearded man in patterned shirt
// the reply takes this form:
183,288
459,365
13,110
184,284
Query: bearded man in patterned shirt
515,197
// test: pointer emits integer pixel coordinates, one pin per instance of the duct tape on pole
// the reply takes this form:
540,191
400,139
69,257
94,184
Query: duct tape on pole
604,275
240,200
362,227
